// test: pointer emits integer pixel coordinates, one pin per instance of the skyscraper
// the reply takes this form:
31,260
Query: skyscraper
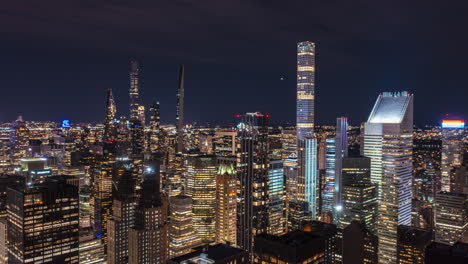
451,217
305,89
276,219
226,197
330,172
148,239
252,167
452,154
19,139
201,187
43,223
388,142
341,151
134,90
180,111
155,122
110,129
182,237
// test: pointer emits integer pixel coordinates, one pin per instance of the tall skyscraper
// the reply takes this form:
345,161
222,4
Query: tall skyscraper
43,223
134,90
110,129
388,142
123,214
252,167
311,179
359,195
329,184
148,240
305,89
451,217
226,207
182,236
452,154
341,151
155,130
201,187
180,111
19,139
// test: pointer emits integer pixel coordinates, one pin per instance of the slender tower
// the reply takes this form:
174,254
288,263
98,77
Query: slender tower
134,89
341,151
180,111
110,129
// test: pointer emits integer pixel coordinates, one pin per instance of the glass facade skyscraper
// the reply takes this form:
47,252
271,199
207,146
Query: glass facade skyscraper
305,89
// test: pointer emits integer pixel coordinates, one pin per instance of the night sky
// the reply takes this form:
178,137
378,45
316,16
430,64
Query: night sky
58,57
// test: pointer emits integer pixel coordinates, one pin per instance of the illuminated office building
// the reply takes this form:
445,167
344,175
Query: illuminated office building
5,182
91,250
359,195
123,214
311,179
3,240
137,137
276,219
19,140
43,223
85,207
201,187
451,217
182,237
155,127
290,173
252,169
148,240
329,185
134,90
412,243
34,170
359,244
224,143
388,142
289,143
110,129
452,154
226,208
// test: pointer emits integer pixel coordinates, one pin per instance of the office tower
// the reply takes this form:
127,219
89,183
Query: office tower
123,214
226,208
180,111
289,143
134,90
3,240
359,195
148,239
305,89
19,140
110,129
297,214
388,142
252,169
314,245
85,207
328,199
224,143
155,127
428,183
290,173
137,137
141,115
451,217
201,187
34,170
305,115
91,250
359,244
341,151
214,254
412,244
52,237
452,152
311,179
182,237
276,219
437,253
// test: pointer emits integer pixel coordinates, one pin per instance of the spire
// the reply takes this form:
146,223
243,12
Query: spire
180,111
134,89
111,110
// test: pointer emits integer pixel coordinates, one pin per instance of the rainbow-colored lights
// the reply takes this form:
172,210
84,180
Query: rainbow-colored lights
453,123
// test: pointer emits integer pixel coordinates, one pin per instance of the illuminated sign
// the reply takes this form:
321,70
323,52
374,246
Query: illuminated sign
453,123
66,123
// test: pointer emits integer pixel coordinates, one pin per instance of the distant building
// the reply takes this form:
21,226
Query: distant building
226,207
182,237
54,207
451,217
359,244
91,249
216,254
437,253
452,154
412,244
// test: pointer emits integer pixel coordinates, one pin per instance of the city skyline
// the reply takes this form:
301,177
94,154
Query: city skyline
61,67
